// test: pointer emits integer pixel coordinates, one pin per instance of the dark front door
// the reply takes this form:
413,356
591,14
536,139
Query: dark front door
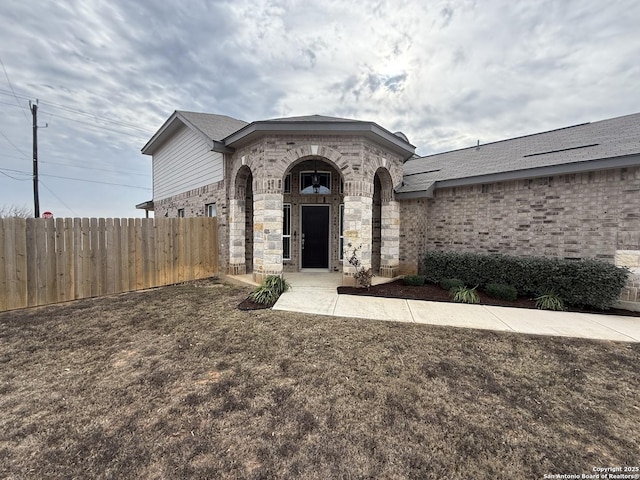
315,236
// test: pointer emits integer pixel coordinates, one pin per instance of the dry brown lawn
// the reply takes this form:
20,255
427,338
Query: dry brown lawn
178,383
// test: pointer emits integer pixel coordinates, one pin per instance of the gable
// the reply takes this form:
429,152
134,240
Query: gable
183,163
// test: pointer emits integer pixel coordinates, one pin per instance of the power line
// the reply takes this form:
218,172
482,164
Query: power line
59,199
10,156
137,173
14,145
97,117
82,112
13,91
94,168
14,178
11,104
92,125
77,179
30,175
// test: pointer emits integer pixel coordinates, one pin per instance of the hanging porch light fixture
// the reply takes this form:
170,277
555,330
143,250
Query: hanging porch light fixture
315,180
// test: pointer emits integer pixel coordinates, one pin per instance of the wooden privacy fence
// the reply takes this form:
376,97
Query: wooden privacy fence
45,261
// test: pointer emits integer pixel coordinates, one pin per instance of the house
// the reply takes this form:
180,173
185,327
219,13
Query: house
291,193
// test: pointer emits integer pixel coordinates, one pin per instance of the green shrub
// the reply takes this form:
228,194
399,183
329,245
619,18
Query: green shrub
582,283
501,291
449,283
465,295
270,290
413,280
549,301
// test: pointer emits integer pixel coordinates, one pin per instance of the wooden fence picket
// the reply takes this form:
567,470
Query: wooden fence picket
44,261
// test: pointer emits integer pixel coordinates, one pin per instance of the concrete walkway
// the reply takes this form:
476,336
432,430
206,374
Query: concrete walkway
316,293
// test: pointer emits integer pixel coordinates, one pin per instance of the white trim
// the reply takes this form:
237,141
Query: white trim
341,232
284,189
283,234
207,207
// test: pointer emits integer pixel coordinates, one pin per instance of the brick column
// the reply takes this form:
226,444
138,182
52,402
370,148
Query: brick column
390,239
237,265
267,235
358,214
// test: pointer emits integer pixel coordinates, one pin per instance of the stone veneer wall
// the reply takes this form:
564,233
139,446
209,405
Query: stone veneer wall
630,295
194,204
390,239
355,157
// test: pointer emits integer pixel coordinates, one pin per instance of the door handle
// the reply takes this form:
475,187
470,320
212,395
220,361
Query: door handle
302,243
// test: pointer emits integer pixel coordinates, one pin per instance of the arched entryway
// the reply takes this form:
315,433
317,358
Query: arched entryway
312,216
241,224
385,223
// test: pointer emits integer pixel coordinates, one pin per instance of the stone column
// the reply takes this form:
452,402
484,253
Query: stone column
390,239
358,214
267,235
237,265
630,294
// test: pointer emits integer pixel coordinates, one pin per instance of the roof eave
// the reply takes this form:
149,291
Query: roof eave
622,161
547,171
148,205
220,147
167,128
256,128
171,126
426,193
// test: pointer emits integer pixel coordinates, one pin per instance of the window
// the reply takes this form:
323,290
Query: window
341,231
287,183
210,210
286,231
323,182
181,212
341,186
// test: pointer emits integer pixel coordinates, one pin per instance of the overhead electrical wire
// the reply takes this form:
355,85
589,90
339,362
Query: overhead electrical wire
59,199
97,117
13,91
11,104
14,178
14,145
82,112
76,179
11,156
97,169
92,125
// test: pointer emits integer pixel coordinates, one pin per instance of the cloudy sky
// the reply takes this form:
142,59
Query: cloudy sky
446,73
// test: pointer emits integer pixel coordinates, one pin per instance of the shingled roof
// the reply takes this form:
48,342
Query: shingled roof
323,125
213,128
588,146
313,118
216,127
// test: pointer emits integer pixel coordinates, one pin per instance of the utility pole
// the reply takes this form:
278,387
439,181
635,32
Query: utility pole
36,197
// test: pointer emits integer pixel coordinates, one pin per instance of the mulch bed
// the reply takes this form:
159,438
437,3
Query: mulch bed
397,289
248,304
